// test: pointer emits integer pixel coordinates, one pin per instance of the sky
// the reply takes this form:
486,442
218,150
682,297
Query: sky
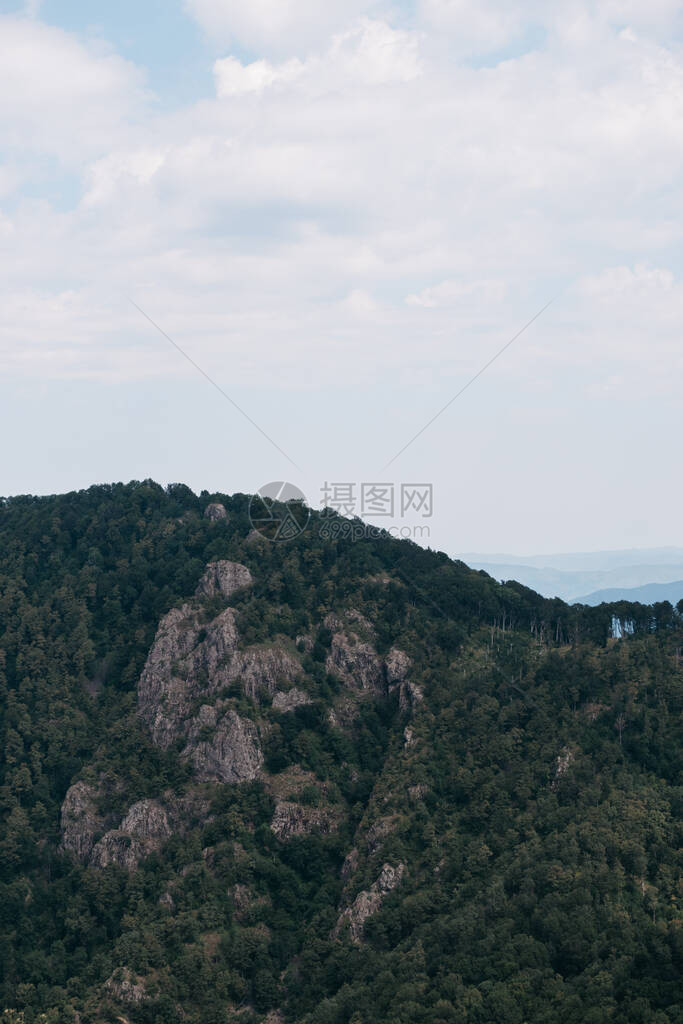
271,241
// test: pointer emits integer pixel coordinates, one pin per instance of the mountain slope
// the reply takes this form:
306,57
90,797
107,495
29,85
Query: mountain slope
323,781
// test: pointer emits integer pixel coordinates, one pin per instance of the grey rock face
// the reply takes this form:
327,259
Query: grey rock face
350,865
397,667
146,819
378,832
80,821
215,512
231,754
223,578
368,902
564,761
125,988
352,657
409,696
143,830
292,699
261,669
181,667
190,663
397,664
355,662
291,819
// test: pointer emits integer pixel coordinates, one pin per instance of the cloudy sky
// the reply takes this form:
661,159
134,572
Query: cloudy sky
341,211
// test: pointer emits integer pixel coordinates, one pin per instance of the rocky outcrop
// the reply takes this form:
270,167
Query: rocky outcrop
223,578
231,753
397,666
144,828
194,664
164,695
143,831
261,669
368,902
291,819
292,699
80,820
378,832
409,696
355,662
215,512
350,865
352,656
124,987
563,763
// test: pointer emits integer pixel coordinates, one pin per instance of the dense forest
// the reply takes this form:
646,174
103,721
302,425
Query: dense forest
455,801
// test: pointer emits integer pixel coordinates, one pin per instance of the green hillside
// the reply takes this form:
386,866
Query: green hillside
324,781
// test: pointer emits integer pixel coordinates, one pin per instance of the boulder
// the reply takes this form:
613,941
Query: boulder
215,512
224,578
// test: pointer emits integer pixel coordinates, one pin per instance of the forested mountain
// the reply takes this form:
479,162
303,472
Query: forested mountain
327,781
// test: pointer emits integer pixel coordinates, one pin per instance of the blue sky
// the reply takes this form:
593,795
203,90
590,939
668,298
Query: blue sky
341,212
158,37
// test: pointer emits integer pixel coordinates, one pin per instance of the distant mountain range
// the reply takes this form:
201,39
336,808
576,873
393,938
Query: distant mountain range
648,594
645,575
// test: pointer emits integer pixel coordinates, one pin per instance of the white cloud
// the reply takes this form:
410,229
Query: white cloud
455,292
108,176
476,25
236,79
368,193
276,26
58,97
370,53
375,54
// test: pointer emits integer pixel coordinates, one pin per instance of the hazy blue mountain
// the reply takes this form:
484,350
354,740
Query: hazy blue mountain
648,594
572,576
